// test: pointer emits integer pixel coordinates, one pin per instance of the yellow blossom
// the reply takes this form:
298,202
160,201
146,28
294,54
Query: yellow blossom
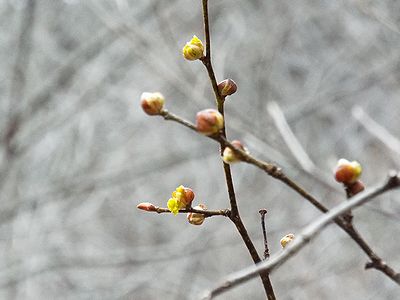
174,205
181,198
194,49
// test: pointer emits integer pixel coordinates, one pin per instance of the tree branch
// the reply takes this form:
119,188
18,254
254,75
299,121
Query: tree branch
309,233
277,173
206,213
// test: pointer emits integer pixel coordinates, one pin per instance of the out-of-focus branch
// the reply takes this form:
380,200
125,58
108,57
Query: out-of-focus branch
307,234
288,136
377,130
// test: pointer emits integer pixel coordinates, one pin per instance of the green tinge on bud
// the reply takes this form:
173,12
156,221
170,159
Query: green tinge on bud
209,121
287,239
194,49
347,172
152,103
197,218
227,87
147,206
229,156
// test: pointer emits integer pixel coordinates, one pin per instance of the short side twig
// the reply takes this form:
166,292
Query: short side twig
263,213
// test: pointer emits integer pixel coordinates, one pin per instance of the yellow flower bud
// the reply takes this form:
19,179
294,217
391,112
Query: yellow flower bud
287,239
182,198
152,103
209,121
229,156
347,172
194,49
197,218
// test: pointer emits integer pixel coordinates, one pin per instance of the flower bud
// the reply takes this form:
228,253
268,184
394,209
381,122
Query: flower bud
194,49
287,239
182,198
347,172
229,156
152,103
227,87
209,121
197,218
146,206
355,188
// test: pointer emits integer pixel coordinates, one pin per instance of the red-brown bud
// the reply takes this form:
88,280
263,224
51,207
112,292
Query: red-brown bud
347,172
152,103
355,188
147,206
227,87
209,121
189,196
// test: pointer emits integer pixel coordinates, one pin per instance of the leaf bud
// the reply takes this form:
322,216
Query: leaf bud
147,206
227,87
197,218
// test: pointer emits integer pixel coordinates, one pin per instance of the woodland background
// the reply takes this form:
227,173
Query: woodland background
77,153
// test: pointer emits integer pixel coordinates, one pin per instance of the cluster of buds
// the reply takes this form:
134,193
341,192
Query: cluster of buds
209,121
229,155
349,173
193,49
152,103
182,198
287,239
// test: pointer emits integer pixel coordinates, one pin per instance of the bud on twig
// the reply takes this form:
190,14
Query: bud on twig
347,172
227,87
182,197
209,121
147,206
287,239
152,103
197,218
229,156
194,49
355,188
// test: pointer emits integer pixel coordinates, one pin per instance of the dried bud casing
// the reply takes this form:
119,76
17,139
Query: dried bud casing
227,87
152,103
287,239
147,206
347,172
229,156
194,49
355,188
209,121
197,218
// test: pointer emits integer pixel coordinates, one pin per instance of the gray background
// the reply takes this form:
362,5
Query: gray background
78,154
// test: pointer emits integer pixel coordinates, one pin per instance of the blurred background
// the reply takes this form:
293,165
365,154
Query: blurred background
317,81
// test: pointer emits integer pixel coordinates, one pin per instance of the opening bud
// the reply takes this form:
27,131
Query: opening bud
197,218
147,206
194,49
152,103
229,156
347,172
227,87
287,239
355,188
209,121
182,198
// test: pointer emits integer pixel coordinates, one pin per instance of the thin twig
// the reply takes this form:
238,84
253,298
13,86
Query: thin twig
277,173
235,217
206,213
263,213
308,234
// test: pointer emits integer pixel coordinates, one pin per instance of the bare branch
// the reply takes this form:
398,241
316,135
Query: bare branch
306,235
